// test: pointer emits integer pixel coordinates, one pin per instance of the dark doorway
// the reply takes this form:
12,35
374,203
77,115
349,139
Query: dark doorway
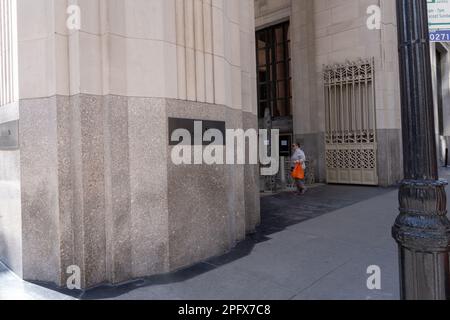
273,50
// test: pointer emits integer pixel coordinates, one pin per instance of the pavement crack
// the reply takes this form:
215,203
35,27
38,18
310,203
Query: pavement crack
321,278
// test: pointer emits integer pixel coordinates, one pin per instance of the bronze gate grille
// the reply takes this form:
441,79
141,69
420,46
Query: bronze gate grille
351,140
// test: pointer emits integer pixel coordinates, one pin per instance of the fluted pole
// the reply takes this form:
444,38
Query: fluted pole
422,230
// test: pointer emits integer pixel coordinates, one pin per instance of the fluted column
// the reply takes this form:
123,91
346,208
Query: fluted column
422,229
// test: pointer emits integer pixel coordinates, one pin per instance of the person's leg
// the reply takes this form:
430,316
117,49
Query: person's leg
298,184
301,186
304,189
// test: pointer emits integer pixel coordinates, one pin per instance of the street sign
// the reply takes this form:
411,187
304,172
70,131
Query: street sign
440,35
439,20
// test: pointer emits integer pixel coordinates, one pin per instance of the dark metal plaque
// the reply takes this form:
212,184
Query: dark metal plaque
9,135
189,125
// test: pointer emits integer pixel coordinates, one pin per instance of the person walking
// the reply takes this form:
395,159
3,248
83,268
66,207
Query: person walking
299,158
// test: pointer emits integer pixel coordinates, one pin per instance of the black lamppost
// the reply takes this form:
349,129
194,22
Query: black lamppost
422,229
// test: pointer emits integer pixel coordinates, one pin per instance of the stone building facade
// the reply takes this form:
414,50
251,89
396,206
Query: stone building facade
326,33
85,171
91,183
333,34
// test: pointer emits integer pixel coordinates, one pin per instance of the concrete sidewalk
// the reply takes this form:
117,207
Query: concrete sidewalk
318,246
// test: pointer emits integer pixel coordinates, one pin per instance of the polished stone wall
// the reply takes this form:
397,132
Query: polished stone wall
251,183
98,189
104,195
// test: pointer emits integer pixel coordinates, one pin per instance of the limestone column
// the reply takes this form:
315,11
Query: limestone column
98,187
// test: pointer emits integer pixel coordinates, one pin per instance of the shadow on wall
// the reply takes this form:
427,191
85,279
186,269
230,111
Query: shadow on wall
10,226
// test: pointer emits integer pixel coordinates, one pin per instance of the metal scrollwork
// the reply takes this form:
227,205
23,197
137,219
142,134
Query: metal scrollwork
351,140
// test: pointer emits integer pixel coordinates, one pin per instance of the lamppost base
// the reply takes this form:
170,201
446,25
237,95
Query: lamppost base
422,232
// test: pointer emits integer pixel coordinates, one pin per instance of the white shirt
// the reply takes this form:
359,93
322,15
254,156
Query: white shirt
299,155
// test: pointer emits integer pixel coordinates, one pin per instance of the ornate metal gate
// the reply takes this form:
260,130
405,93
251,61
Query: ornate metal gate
351,141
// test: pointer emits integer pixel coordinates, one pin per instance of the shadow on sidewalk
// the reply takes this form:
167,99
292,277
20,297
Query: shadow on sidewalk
278,212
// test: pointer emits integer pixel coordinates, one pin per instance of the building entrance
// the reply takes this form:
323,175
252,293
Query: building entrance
274,76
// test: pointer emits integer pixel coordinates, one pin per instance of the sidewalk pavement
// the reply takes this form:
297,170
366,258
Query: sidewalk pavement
318,246
14,288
